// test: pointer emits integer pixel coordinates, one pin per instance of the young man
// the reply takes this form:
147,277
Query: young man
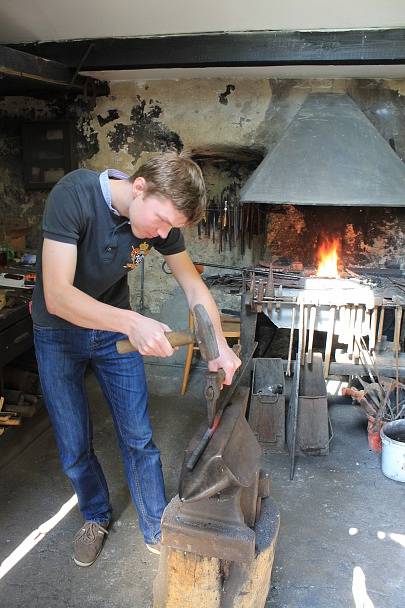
96,228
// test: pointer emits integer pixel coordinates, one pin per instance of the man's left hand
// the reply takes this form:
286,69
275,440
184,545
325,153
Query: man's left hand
227,360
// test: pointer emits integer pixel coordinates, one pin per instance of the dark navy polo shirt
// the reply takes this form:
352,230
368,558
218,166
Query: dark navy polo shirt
76,212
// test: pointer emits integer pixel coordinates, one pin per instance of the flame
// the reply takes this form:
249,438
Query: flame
327,257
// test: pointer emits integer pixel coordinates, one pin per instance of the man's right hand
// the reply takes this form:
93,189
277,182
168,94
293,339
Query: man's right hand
68,302
148,337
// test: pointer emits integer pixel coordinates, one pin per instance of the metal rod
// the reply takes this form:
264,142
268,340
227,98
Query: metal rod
350,332
380,325
397,329
373,329
301,331
288,372
329,340
312,318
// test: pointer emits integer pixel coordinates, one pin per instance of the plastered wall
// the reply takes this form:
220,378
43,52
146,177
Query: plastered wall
228,125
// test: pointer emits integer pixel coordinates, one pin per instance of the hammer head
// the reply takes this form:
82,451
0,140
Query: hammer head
205,334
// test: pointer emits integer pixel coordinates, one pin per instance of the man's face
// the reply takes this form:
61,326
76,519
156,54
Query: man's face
152,216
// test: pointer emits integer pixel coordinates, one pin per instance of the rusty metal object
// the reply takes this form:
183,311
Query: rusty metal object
313,423
267,403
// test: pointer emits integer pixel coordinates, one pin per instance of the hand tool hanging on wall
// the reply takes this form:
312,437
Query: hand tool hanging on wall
235,223
221,224
242,228
230,225
249,225
214,222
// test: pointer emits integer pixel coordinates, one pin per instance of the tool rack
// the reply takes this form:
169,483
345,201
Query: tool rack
350,312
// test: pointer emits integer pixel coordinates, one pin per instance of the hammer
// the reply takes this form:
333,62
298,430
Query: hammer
204,334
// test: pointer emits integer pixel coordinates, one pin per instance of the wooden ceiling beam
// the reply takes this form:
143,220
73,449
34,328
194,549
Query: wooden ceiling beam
264,48
20,64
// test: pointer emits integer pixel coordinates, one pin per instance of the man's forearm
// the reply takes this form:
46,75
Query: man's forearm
78,308
201,295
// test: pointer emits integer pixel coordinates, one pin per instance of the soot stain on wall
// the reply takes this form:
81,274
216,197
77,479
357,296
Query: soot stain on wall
223,97
112,115
145,133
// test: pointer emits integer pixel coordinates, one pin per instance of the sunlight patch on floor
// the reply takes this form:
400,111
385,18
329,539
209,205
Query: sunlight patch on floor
35,537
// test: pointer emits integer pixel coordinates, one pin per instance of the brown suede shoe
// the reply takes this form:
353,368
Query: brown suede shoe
88,543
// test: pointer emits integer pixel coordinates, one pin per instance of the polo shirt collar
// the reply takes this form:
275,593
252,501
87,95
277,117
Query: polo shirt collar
105,185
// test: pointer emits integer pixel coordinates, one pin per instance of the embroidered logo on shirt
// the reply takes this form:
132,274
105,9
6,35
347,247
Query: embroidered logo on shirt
137,255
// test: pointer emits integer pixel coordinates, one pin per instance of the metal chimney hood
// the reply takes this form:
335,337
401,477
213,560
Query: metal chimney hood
330,154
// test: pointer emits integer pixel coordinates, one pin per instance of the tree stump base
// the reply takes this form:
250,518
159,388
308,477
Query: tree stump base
188,580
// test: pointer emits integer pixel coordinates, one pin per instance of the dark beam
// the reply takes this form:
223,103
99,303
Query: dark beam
19,64
351,47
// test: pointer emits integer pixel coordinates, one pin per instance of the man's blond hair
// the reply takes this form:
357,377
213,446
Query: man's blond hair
177,178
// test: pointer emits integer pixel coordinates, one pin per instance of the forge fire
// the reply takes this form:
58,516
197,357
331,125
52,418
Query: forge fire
328,258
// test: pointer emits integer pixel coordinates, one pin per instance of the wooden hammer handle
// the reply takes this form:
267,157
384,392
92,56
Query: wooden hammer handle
176,338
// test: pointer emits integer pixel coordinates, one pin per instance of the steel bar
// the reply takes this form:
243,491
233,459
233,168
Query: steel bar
304,334
311,330
380,325
373,329
288,372
329,340
292,416
342,324
397,329
350,333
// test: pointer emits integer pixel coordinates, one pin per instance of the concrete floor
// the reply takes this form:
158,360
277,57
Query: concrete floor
342,521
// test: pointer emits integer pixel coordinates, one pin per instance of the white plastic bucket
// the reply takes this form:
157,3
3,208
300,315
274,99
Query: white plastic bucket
393,450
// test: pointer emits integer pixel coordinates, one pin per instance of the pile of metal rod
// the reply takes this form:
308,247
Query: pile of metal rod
383,400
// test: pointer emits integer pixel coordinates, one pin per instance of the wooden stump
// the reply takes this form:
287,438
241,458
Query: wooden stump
187,580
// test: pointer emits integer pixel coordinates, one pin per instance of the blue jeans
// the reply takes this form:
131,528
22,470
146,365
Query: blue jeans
63,355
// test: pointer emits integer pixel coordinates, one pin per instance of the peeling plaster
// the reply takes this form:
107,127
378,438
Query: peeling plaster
223,97
144,132
134,120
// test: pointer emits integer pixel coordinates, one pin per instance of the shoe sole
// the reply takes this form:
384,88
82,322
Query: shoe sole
152,549
85,564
